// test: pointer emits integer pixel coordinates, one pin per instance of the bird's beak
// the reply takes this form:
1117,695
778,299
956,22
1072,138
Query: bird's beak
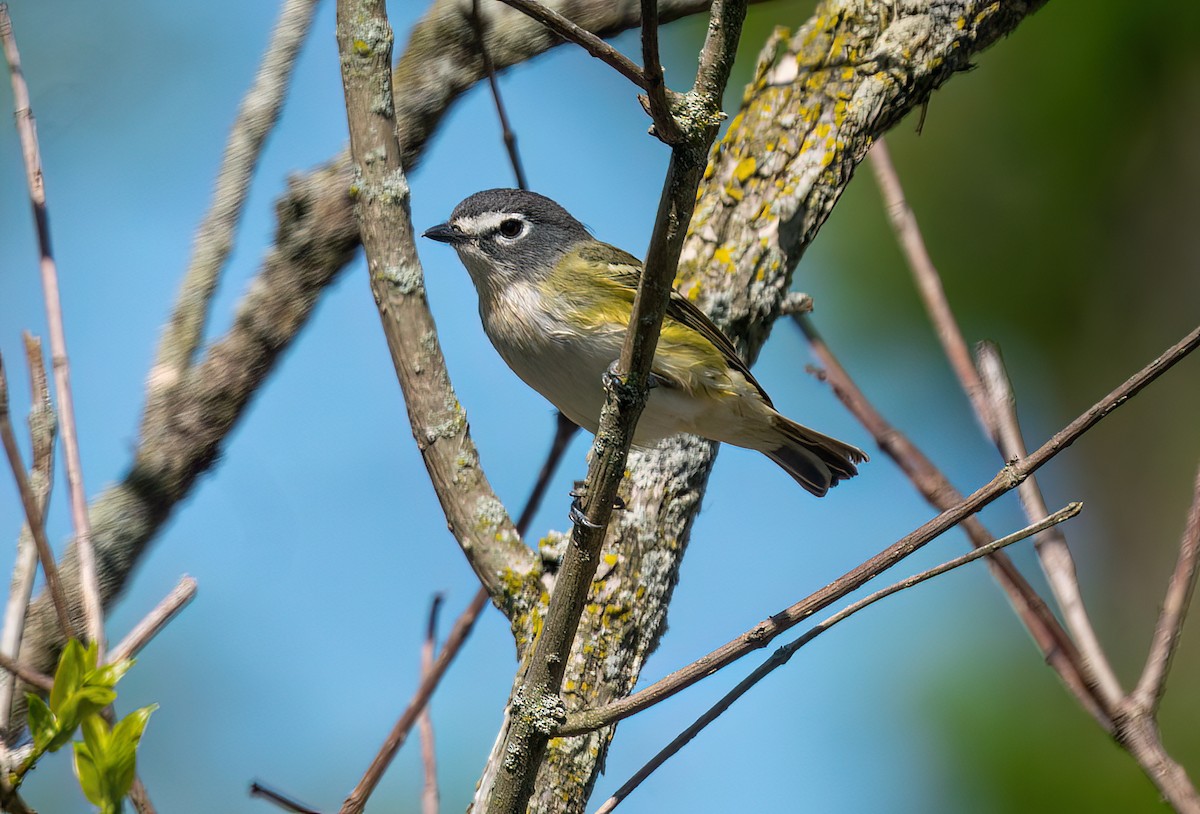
445,233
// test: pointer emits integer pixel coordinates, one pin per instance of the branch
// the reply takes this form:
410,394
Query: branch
570,32
1056,646
1005,480
474,514
429,792
929,283
42,426
92,612
1052,550
489,68
785,653
34,510
536,705
214,241
155,621
657,103
1167,631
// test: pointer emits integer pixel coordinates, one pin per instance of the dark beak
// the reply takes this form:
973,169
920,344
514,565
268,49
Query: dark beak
445,233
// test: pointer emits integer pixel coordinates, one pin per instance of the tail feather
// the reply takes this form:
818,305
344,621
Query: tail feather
815,460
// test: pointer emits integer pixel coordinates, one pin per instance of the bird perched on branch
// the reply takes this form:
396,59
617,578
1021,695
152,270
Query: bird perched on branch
556,304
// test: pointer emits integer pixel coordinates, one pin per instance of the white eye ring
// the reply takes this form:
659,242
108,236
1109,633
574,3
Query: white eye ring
511,228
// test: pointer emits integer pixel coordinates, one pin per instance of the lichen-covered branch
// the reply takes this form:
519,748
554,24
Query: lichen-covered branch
817,102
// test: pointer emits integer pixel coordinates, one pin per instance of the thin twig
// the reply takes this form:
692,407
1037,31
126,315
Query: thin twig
929,283
458,634
990,395
155,621
489,68
657,104
33,512
42,425
93,612
570,32
140,797
781,656
27,674
1056,646
1151,685
761,634
278,798
256,118
1052,550
429,792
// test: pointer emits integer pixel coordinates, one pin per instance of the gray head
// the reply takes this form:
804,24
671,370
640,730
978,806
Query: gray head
504,234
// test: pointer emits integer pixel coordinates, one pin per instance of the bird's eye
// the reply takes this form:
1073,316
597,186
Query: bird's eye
511,228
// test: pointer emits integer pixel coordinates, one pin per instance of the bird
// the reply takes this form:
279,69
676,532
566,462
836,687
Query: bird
556,304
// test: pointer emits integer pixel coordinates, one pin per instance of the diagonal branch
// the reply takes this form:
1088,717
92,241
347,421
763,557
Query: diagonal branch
1056,646
784,654
585,39
1005,480
214,241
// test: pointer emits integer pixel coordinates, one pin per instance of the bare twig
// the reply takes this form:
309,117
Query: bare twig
657,103
282,800
42,425
1055,556
785,653
489,68
1150,686
458,634
929,283
429,792
1007,479
155,621
93,612
140,797
214,241
1056,646
990,395
33,512
27,674
570,32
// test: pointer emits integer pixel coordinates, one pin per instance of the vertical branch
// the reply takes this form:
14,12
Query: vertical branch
429,793
93,613
42,426
33,512
489,68
656,103
1053,553
1151,685
536,706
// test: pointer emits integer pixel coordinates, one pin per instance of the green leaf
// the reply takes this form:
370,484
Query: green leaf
110,674
42,724
122,751
73,664
90,779
81,704
97,736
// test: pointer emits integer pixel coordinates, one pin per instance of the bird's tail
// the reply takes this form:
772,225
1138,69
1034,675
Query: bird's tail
815,460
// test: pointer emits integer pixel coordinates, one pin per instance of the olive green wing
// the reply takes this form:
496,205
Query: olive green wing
626,271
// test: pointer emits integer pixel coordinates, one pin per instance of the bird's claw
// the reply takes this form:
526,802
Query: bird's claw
577,516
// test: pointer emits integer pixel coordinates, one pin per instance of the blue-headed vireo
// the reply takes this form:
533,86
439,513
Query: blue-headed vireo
556,304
